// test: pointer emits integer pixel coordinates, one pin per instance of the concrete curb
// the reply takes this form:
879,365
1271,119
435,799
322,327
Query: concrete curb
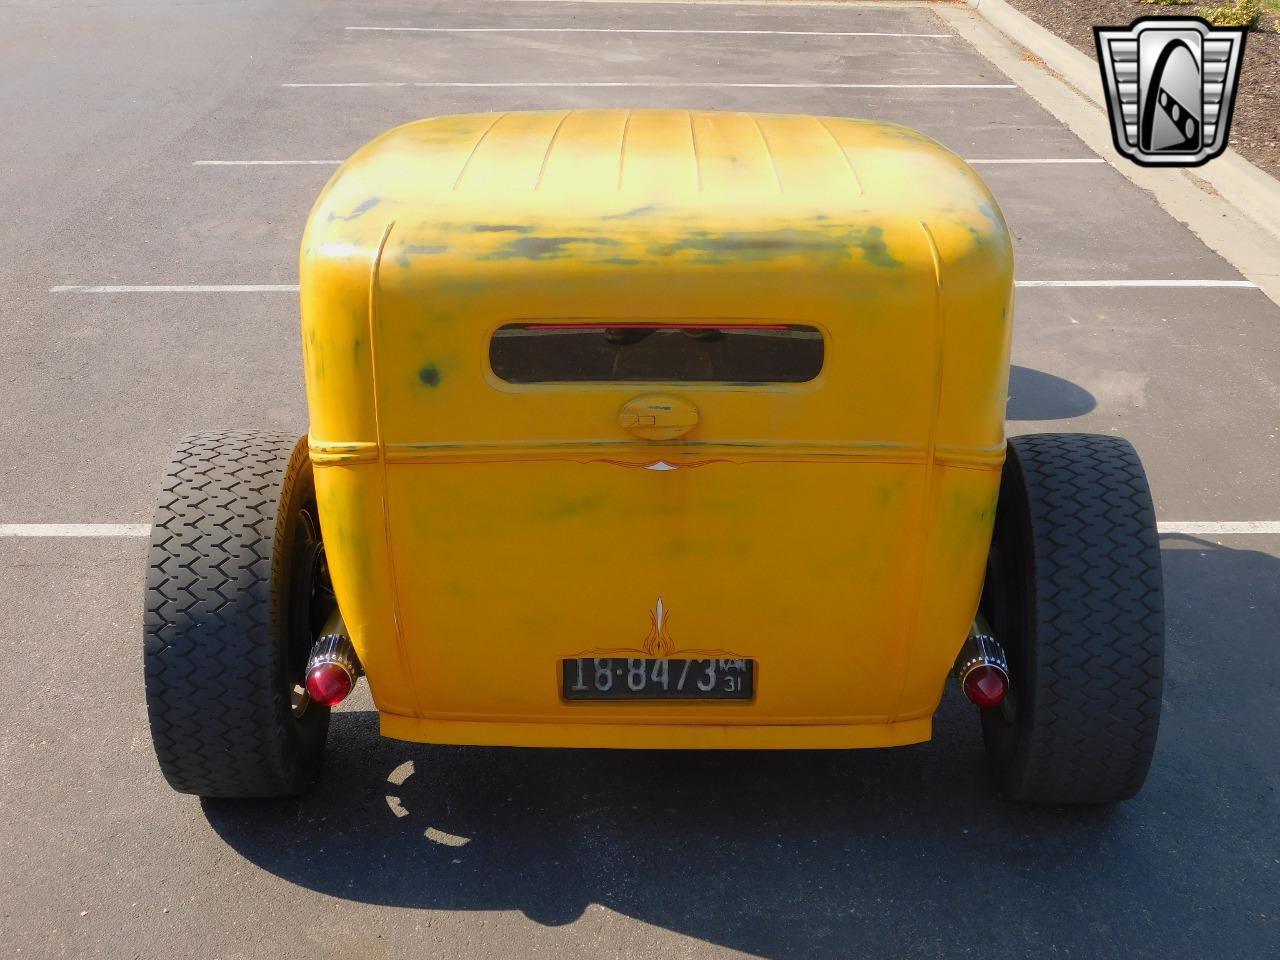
1255,194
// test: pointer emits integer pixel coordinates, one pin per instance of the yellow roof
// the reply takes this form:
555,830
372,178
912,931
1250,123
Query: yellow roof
631,191
659,156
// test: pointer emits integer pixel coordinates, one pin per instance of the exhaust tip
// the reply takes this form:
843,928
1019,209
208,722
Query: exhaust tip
982,667
333,667
328,683
985,685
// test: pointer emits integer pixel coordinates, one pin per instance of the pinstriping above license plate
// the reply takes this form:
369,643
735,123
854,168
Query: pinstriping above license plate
1170,85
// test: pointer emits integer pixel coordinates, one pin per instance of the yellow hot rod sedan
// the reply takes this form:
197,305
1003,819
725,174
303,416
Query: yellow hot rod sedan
655,429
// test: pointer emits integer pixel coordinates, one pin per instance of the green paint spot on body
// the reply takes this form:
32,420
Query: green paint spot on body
677,548
560,508
633,212
761,245
906,134
410,250
313,353
358,212
875,251
545,248
429,375
992,214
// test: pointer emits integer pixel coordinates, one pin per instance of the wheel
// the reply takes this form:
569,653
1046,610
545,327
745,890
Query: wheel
237,591
1074,594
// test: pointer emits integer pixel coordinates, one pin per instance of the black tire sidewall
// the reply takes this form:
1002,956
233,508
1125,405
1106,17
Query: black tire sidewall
302,737
1009,603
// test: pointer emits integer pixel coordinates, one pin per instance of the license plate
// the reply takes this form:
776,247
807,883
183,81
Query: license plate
644,678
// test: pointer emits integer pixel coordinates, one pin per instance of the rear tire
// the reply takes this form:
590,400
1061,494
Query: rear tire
235,584
1074,594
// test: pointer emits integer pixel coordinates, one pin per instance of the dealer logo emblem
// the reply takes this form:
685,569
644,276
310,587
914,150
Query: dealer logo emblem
1170,85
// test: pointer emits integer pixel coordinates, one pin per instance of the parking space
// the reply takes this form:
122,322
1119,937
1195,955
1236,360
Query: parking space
160,145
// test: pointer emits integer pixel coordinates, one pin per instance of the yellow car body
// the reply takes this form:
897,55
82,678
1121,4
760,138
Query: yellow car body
479,532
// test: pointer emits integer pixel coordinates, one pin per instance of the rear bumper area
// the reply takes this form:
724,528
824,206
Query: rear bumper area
633,736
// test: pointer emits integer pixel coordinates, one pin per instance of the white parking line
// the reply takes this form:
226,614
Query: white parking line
75,529
1243,284
665,84
1208,527
1040,160
765,33
873,4
264,163
177,288
293,287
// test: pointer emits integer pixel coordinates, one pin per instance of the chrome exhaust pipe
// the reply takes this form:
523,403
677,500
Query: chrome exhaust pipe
333,667
982,667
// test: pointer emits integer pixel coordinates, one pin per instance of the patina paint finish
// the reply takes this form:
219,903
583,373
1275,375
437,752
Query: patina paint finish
478,531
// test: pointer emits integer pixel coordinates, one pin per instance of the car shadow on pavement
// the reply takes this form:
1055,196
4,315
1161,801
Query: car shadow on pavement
1036,395
812,854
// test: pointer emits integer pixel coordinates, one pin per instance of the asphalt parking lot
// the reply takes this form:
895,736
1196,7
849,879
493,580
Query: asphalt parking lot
160,145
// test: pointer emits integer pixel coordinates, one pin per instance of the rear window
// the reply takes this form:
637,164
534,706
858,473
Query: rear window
654,352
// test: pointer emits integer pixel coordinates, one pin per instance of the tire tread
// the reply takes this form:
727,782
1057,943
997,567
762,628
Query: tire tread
212,617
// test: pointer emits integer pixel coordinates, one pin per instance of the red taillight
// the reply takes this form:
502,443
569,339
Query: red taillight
985,685
328,683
